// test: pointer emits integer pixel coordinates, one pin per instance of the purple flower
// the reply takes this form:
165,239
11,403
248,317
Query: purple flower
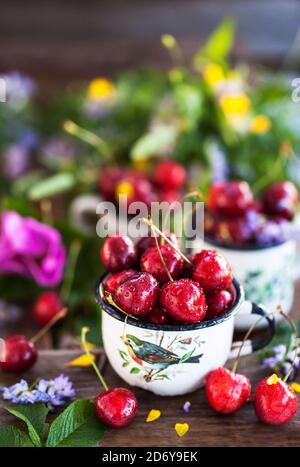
31,249
16,160
58,150
187,407
9,313
54,392
19,89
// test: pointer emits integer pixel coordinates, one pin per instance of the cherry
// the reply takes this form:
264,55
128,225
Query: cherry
231,199
218,304
112,281
147,242
158,316
151,262
108,179
281,199
137,295
234,231
212,271
227,391
118,253
275,402
169,195
188,267
169,175
20,354
184,301
116,407
136,187
46,307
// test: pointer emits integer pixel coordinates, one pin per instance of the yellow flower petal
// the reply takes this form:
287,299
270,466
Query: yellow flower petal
295,387
260,124
213,74
272,380
181,428
83,361
153,415
101,89
235,104
124,188
89,346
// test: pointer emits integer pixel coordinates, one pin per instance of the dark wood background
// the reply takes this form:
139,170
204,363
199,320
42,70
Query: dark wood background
60,40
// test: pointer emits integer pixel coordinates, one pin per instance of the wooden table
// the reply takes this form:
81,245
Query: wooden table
206,427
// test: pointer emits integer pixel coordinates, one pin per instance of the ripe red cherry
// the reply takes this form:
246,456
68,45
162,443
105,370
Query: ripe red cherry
170,195
20,354
116,407
118,253
147,242
184,301
46,307
108,179
281,199
212,271
158,316
112,281
226,391
137,296
151,263
275,402
169,175
230,199
218,304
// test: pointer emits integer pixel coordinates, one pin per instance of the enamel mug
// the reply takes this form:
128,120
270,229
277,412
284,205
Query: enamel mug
174,360
267,274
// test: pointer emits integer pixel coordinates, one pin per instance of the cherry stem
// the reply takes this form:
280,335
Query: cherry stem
295,338
236,361
159,252
150,223
66,288
88,137
61,314
84,332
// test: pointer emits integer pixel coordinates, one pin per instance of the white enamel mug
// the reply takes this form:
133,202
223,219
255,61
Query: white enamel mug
173,360
267,274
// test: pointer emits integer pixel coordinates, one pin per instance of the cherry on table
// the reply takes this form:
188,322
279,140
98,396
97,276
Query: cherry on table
46,307
227,391
116,407
118,253
137,295
275,402
151,262
230,199
212,271
184,301
20,354
170,175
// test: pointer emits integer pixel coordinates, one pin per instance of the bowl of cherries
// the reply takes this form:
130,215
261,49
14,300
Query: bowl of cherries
167,318
258,237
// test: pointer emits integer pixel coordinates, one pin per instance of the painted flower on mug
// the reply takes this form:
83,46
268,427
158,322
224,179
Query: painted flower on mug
31,249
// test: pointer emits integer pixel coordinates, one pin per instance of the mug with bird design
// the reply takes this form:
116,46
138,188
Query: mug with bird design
172,360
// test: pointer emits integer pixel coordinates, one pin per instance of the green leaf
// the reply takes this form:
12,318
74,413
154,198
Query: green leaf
186,356
51,186
35,418
153,143
77,426
125,364
219,43
12,437
123,355
134,371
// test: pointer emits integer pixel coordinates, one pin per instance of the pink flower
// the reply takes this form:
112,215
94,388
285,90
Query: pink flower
30,248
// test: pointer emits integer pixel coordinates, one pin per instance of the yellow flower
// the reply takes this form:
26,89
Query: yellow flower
272,380
82,361
295,387
213,74
260,124
101,89
234,105
153,415
181,429
124,188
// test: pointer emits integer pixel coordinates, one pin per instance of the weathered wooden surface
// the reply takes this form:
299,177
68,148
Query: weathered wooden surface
206,427
72,38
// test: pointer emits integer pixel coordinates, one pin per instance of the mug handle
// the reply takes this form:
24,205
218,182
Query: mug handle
252,345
